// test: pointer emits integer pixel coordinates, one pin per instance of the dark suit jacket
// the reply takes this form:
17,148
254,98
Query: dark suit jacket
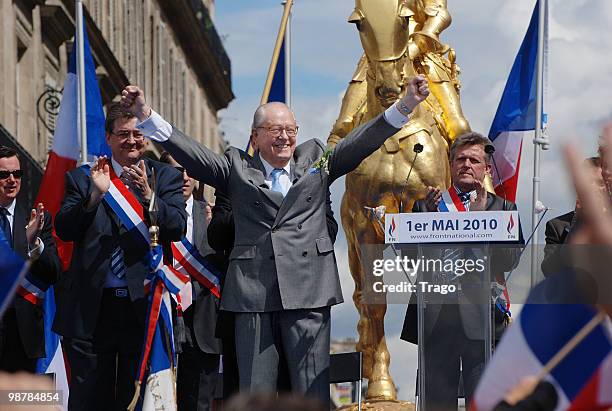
557,232
283,257
472,315
46,268
201,316
96,234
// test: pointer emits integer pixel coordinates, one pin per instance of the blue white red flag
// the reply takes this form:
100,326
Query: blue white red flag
516,113
157,367
12,272
583,379
62,158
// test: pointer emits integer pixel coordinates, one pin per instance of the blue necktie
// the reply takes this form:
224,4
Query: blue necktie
117,266
6,226
276,185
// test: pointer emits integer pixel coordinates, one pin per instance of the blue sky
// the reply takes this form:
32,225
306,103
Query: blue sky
486,35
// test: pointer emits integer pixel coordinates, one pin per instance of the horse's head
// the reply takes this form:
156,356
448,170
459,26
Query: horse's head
383,29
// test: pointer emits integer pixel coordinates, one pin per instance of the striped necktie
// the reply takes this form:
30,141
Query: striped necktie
117,266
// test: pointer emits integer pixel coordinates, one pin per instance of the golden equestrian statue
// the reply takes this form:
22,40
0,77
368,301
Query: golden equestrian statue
401,38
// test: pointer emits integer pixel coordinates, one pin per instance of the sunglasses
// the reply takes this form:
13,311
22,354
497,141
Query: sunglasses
4,174
181,169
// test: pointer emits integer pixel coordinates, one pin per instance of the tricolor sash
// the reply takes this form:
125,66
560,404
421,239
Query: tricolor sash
190,262
131,214
450,201
125,205
31,290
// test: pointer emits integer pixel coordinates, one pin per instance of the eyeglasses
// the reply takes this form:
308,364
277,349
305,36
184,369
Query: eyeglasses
4,174
125,134
276,131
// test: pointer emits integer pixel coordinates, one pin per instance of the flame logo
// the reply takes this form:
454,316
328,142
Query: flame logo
510,224
392,227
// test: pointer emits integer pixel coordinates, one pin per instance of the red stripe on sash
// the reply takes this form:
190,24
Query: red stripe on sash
455,197
125,192
27,295
193,272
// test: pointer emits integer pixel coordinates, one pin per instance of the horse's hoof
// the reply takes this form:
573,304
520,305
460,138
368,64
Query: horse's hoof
382,389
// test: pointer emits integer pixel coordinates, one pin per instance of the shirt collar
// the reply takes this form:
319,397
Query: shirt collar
189,205
11,208
117,167
461,192
269,168
468,195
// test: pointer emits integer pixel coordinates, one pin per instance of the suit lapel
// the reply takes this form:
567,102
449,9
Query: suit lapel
256,173
490,201
20,220
198,217
297,170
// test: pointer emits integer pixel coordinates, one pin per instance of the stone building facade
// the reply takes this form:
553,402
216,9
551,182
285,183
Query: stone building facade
168,47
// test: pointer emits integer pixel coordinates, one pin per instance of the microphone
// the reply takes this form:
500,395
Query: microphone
490,150
418,148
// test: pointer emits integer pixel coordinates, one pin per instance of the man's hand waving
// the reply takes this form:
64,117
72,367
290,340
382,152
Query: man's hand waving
35,225
100,181
479,202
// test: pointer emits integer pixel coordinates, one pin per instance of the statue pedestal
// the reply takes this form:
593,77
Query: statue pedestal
382,405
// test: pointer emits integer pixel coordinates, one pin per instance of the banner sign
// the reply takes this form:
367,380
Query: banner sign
452,227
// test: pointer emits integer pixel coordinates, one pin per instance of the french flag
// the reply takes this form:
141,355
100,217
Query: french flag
12,272
583,378
516,113
157,368
62,158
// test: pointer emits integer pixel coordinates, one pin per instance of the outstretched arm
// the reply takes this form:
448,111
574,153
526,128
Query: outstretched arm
200,162
363,141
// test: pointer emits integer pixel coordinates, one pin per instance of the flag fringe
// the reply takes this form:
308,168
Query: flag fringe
134,402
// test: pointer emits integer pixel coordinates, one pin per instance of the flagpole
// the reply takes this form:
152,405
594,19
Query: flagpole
288,60
539,141
279,42
81,79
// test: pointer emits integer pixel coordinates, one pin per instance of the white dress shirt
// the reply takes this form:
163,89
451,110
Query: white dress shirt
189,209
284,179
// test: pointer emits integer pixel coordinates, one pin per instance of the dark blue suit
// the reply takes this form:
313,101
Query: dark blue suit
100,324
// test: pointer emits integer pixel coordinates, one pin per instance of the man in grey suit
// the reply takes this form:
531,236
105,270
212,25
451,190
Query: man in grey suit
282,277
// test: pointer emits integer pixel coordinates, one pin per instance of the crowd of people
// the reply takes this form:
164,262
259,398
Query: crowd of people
271,234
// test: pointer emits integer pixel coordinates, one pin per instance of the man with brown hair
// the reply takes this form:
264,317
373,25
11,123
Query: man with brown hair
101,299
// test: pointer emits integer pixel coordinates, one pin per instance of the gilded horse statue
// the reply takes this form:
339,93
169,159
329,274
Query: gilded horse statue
400,39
